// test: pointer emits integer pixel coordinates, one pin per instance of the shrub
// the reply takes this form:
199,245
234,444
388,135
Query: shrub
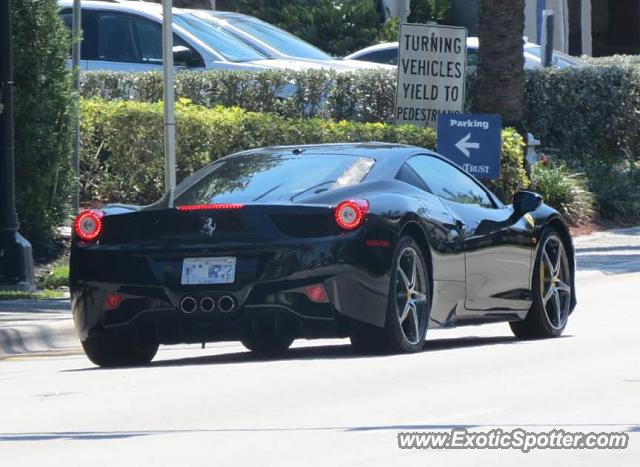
586,114
123,145
513,176
42,117
57,278
620,60
617,191
362,96
565,191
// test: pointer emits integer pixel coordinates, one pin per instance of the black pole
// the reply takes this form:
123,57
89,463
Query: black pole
548,32
16,258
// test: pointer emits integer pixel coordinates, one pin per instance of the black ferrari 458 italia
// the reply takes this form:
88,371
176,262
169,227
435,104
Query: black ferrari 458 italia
376,242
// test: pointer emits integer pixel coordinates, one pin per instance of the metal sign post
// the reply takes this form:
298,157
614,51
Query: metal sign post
547,37
75,59
169,97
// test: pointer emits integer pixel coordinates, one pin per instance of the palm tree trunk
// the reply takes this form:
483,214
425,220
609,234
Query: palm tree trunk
501,78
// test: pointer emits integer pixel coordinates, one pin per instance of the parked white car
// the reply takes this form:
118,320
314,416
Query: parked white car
387,53
127,36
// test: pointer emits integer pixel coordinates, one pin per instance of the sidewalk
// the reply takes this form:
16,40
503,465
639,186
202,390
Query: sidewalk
609,252
37,325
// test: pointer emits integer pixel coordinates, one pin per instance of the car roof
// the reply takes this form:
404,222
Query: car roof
472,42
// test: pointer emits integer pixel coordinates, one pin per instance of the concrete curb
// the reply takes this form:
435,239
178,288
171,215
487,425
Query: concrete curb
36,325
37,338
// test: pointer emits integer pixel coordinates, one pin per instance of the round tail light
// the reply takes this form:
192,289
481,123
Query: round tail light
88,225
351,214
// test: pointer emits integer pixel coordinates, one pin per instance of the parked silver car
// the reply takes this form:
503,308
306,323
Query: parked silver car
278,43
127,36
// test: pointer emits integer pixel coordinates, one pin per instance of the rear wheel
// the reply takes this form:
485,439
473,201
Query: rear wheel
119,350
551,288
268,336
407,316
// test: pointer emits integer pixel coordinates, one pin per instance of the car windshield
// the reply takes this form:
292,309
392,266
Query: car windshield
276,38
263,178
230,47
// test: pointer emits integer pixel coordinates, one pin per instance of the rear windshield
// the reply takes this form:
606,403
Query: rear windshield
266,178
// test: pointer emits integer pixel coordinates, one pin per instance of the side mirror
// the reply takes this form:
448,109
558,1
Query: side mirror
526,201
184,56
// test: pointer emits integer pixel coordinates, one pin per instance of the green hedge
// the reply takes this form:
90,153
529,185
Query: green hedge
620,60
583,113
364,96
122,150
587,117
586,114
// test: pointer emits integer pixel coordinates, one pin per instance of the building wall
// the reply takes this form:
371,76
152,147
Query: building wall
616,27
531,20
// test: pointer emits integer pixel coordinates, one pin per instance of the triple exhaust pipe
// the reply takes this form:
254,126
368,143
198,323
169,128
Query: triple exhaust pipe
226,304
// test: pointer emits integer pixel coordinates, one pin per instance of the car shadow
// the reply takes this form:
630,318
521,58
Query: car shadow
321,352
340,351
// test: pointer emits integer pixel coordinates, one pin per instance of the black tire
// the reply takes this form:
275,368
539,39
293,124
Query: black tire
367,339
397,336
110,351
267,344
268,337
543,320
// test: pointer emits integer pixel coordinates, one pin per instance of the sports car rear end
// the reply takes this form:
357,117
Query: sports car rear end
242,246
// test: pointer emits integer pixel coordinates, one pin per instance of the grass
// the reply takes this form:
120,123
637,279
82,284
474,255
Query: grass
59,277
39,295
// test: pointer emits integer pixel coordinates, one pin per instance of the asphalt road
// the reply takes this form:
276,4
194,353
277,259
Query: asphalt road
323,406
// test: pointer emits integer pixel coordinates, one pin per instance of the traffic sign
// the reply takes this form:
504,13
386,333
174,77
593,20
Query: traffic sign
431,73
472,141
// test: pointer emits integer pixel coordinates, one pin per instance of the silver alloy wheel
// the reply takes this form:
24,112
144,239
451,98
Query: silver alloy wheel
555,280
411,295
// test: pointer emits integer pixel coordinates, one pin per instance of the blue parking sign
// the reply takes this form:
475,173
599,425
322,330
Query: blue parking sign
472,141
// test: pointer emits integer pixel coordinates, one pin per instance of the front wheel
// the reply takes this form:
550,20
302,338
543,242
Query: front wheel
552,281
111,351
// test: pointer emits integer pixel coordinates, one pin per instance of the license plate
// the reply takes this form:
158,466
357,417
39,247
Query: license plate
196,271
